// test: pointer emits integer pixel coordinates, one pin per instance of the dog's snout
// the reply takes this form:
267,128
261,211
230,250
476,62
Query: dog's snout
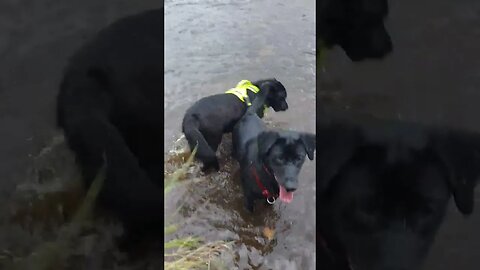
291,185
280,107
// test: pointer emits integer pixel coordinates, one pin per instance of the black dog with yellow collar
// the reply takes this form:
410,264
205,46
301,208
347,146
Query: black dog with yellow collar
208,119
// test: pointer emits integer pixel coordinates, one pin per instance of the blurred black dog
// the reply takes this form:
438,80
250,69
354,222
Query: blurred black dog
355,25
270,161
208,119
384,188
110,107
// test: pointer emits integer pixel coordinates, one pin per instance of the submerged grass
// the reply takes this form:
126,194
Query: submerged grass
189,252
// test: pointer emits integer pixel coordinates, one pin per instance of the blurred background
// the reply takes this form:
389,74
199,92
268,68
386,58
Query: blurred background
433,77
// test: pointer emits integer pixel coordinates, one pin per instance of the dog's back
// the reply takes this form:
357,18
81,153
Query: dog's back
208,119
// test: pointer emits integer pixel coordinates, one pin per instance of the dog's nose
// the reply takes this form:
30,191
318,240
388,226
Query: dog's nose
290,184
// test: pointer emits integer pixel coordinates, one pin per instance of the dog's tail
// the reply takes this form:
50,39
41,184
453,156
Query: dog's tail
205,153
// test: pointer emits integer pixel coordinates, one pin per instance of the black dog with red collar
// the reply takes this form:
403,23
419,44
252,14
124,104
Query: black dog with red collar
271,197
270,161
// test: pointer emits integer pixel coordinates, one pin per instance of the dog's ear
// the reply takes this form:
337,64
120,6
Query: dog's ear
336,145
266,140
308,141
266,87
460,153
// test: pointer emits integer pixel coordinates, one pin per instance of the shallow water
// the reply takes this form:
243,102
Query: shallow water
209,47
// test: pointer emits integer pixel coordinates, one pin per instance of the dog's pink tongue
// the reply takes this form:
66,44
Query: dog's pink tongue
284,195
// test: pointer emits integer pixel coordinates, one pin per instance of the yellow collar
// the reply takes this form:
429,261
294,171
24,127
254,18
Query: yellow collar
241,91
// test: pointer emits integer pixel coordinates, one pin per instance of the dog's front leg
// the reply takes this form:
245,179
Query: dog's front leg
247,191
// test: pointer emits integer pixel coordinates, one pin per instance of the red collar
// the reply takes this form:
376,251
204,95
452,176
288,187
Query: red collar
265,191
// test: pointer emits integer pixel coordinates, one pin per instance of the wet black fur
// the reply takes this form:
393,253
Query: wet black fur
208,119
110,107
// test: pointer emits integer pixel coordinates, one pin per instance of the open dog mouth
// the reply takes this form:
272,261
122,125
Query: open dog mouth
284,195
